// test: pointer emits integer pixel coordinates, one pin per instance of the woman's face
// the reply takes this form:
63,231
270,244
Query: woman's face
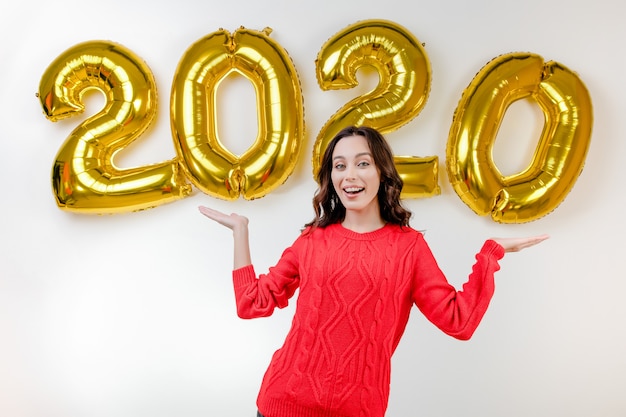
355,177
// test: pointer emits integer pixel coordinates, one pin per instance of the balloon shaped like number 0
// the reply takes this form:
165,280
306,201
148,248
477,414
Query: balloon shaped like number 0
404,72
273,156
84,176
560,153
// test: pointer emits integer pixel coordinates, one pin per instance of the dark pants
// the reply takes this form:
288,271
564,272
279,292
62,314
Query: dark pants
258,414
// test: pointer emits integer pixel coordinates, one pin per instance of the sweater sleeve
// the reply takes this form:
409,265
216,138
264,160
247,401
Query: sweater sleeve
259,296
457,313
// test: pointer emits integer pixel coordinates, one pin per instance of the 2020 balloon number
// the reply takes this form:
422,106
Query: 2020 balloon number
86,180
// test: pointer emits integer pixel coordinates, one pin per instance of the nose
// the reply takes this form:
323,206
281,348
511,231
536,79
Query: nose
350,172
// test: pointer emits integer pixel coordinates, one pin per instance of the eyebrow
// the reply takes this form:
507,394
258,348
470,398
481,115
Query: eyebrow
356,156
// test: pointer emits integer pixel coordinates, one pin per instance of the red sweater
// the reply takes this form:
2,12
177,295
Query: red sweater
356,292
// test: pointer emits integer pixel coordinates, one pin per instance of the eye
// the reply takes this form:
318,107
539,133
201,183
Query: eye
340,165
363,164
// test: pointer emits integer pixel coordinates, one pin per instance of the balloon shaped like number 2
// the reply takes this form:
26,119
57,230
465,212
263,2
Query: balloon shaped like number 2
560,153
404,73
84,176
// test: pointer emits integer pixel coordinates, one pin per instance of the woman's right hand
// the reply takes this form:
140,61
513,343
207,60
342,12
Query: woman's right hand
239,225
233,221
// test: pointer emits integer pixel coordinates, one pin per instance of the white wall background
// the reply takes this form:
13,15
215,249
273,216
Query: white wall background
133,314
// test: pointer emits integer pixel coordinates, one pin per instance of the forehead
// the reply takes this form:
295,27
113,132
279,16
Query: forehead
351,146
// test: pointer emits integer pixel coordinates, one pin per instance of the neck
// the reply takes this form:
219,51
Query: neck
361,223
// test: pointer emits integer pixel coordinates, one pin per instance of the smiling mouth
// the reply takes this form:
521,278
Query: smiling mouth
353,190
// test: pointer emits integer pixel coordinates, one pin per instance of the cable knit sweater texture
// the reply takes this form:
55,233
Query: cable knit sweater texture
355,294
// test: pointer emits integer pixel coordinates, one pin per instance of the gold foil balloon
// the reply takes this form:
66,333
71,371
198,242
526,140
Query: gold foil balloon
84,177
404,84
561,150
271,159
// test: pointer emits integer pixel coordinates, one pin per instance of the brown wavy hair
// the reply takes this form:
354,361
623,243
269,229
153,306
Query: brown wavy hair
326,203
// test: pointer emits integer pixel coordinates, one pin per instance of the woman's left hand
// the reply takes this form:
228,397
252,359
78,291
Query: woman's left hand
516,244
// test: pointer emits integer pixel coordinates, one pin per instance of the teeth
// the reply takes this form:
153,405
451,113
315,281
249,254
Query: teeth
353,189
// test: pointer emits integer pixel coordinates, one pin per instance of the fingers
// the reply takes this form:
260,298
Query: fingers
215,215
209,212
532,241
539,239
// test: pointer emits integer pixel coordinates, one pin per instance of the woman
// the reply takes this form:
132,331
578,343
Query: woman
360,268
